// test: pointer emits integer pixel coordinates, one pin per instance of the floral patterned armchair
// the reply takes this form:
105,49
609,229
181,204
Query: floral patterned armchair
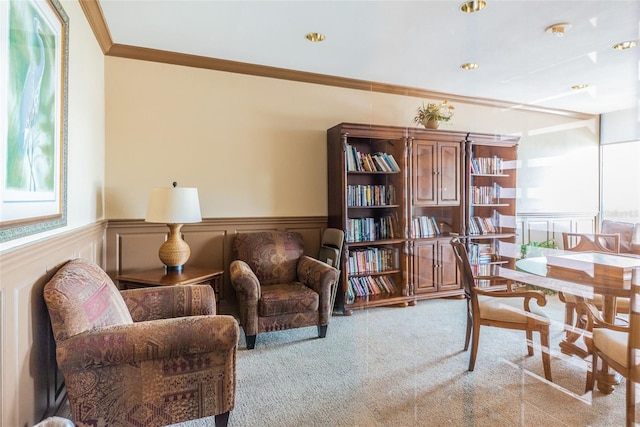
152,356
278,287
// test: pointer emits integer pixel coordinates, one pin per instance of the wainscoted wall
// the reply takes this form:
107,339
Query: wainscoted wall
31,385
133,244
540,227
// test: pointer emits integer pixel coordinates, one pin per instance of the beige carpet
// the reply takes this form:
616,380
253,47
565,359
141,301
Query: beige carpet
405,367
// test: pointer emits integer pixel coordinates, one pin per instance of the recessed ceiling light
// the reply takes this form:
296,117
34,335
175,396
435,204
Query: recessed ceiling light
625,45
469,66
579,87
473,6
315,37
559,29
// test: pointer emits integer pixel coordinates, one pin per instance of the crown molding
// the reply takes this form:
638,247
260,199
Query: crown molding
93,12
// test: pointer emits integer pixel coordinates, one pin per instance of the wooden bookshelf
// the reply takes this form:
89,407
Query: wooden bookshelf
490,199
410,206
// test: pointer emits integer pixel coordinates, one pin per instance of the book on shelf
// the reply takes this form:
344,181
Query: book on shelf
371,229
371,195
367,162
424,226
482,225
487,165
485,195
373,260
482,253
363,286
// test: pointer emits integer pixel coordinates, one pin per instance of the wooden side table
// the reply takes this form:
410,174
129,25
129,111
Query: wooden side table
160,277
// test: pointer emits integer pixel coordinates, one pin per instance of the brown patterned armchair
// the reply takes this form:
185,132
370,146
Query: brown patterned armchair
277,286
142,357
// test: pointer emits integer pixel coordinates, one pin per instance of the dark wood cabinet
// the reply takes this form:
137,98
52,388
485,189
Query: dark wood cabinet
434,268
398,221
436,177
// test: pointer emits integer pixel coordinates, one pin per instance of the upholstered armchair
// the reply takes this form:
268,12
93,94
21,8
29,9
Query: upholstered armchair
142,357
278,287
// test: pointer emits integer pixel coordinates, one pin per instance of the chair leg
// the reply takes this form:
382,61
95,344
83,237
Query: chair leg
469,327
631,403
530,342
474,345
569,311
546,356
222,419
591,374
251,341
322,330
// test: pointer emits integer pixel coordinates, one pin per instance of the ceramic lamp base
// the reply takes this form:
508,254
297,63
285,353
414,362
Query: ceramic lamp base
174,252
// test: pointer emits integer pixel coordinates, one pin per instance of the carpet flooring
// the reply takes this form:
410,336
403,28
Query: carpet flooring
405,367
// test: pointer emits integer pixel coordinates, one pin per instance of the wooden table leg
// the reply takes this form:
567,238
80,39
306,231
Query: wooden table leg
607,379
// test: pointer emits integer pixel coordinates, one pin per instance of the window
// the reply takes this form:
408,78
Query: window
621,181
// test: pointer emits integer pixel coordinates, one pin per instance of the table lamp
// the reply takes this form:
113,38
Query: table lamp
174,206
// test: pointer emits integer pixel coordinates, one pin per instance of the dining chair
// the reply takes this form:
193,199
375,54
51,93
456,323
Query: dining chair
590,242
617,345
501,305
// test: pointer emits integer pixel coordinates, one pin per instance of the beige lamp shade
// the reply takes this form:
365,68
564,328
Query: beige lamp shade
174,206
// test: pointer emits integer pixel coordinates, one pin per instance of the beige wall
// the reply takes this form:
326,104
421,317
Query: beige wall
25,263
255,146
86,132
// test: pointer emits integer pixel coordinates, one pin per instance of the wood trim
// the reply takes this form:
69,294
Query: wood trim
94,15
32,386
132,245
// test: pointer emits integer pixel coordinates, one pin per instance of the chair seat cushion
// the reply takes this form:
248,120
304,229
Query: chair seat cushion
508,309
613,343
287,298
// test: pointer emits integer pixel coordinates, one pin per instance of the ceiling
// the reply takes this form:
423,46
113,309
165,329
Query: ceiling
416,44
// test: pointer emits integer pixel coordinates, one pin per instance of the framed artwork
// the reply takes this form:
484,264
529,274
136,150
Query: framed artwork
33,116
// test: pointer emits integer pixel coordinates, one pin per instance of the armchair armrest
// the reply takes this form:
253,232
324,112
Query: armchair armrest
244,280
142,341
528,295
594,318
317,275
162,302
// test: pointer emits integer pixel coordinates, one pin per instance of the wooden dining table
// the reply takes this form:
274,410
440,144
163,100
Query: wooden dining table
582,274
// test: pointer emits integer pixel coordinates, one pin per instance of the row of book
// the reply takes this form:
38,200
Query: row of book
368,285
371,229
373,260
482,225
487,165
482,253
371,195
485,195
424,226
367,162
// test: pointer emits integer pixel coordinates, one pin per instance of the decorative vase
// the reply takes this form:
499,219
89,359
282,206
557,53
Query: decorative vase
432,124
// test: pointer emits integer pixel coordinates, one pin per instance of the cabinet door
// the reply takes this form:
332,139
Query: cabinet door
447,268
436,173
424,261
448,173
425,166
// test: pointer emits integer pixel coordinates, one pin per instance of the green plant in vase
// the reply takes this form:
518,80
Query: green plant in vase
430,115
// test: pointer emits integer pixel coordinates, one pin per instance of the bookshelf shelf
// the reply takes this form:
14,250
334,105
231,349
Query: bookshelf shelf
373,207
